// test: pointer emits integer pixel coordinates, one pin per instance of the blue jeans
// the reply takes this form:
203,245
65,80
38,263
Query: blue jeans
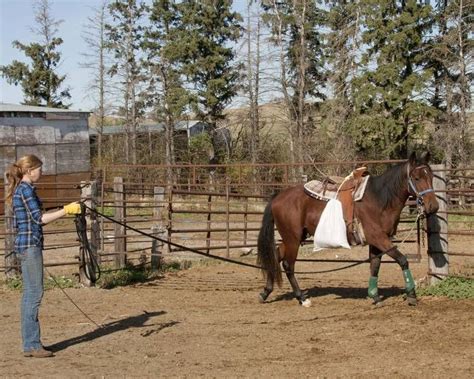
32,272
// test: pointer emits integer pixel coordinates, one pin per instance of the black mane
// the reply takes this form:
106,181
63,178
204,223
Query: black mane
386,187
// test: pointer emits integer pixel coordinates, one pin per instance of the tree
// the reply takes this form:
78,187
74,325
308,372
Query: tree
253,64
295,26
125,38
389,94
97,62
207,28
40,82
166,92
451,59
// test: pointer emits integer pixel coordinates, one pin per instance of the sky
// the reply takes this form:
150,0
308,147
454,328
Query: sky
16,21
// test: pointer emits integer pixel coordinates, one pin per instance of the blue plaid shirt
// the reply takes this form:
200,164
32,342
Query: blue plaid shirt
27,217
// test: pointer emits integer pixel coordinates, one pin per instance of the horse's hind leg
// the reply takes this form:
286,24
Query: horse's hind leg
266,291
375,259
407,276
302,297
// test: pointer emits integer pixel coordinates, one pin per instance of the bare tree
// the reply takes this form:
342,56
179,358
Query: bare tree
124,38
97,62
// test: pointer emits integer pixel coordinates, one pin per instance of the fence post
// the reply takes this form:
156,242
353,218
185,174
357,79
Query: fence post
11,261
227,216
437,229
120,241
158,229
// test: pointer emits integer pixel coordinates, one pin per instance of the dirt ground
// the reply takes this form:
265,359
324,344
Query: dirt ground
206,322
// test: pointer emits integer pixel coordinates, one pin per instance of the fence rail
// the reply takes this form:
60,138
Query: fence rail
212,208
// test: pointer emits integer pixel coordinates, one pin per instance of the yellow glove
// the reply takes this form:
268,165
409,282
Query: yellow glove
72,208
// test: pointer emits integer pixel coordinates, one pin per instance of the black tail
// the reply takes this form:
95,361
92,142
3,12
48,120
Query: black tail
267,253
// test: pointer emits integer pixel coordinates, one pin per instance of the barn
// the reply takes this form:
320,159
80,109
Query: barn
59,137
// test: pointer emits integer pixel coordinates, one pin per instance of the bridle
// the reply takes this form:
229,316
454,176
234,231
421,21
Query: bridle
412,190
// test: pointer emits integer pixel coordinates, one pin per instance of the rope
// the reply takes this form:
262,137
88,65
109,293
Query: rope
229,260
72,301
87,258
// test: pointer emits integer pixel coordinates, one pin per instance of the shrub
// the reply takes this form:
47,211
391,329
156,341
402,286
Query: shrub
452,287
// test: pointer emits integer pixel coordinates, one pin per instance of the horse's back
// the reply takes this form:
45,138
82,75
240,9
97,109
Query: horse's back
293,211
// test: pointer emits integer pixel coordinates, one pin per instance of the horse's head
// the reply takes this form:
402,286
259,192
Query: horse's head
420,182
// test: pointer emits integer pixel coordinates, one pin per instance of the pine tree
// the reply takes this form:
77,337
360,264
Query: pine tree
39,81
207,28
389,94
166,92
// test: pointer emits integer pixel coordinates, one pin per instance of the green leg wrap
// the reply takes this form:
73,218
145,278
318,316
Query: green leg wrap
373,289
409,282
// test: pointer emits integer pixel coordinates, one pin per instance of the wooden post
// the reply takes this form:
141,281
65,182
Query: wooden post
11,261
120,241
437,229
158,229
227,200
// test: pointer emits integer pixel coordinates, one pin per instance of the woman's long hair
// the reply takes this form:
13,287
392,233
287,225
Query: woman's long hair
16,171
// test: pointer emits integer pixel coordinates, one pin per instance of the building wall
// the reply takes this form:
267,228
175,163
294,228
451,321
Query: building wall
61,141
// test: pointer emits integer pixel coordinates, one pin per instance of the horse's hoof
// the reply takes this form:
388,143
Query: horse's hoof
412,301
306,303
376,301
261,299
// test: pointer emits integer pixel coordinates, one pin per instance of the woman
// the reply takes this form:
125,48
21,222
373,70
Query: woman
28,221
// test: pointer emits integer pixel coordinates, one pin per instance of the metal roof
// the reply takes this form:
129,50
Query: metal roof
6,107
145,128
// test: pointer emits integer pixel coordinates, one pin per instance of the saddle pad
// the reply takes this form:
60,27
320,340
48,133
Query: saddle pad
359,193
315,188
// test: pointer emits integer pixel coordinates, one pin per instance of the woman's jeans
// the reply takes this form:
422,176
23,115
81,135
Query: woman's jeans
32,272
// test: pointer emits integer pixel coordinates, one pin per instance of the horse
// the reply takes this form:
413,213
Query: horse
296,215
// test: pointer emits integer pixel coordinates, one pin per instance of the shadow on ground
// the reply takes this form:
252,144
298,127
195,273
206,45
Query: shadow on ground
116,326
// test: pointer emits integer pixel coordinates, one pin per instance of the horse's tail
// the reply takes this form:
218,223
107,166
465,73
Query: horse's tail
267,256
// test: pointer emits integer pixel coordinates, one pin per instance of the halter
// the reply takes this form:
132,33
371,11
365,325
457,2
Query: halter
411,186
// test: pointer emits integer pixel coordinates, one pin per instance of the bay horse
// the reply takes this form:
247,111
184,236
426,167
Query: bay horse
296,215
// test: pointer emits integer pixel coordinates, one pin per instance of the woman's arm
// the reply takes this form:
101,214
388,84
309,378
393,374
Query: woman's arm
52,216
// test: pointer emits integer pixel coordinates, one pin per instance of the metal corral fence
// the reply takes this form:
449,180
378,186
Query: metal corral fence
217,209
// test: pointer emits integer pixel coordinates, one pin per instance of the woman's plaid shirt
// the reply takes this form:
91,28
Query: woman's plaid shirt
27,217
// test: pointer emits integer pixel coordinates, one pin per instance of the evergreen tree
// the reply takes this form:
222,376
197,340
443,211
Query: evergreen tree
207,28
389,93
39,81
166,92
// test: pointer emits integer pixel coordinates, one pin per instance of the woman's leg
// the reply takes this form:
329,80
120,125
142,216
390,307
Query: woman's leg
32,274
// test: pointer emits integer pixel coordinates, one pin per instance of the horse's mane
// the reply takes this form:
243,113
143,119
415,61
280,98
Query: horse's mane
386,187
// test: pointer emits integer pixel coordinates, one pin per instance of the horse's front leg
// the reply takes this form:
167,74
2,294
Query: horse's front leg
375,259
407,275
302,297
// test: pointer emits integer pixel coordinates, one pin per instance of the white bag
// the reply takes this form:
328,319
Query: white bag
331,229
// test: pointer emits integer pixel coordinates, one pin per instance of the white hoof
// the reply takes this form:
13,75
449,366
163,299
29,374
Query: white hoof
306,303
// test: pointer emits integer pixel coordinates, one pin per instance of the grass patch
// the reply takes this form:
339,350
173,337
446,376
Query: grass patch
16,283
111,278
452,287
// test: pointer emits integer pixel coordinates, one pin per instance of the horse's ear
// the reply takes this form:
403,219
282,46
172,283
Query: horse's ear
425,157
412,159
